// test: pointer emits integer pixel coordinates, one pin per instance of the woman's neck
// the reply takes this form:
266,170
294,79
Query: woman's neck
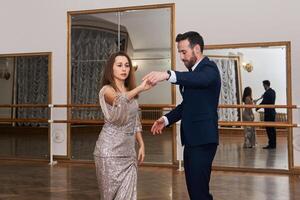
120,85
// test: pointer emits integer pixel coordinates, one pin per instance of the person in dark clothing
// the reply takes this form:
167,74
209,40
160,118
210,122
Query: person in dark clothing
200,89
269,97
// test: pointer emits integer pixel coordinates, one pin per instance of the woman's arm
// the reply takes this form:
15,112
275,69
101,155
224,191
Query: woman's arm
141,153
110,94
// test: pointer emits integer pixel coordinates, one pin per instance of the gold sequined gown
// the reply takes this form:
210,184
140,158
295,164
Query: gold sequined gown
114,154
249,131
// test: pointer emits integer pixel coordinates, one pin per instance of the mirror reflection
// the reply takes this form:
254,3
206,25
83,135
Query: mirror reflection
245,72
145,35
24,79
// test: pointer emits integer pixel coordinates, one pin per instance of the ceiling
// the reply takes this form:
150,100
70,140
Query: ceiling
148,29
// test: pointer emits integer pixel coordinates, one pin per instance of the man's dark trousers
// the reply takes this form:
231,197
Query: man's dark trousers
197,167
271,131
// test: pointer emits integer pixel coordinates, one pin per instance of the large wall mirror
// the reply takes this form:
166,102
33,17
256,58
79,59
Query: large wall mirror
248,65
25,79
146,34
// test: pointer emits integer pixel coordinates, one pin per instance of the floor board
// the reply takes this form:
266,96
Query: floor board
23,180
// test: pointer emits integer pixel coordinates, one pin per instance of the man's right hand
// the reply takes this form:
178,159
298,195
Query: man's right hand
158,126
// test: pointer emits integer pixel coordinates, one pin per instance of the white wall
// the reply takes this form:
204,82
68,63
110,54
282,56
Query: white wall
41,25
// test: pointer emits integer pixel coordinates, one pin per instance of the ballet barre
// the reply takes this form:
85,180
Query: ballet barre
157,107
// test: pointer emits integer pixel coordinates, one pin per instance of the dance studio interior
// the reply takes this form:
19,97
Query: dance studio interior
52,55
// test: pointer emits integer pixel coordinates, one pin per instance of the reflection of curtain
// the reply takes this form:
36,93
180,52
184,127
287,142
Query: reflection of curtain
229,90
32,87
90,49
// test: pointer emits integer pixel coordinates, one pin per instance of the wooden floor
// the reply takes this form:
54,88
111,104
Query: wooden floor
231,153
30,142
23,180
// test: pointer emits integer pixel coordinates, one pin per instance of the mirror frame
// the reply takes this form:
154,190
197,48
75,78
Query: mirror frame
171,6
287,44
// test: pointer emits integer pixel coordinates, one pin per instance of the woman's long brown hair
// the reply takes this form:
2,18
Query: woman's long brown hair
247,93
108,76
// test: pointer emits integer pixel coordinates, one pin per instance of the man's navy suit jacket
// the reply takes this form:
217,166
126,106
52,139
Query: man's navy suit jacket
269,98
200,90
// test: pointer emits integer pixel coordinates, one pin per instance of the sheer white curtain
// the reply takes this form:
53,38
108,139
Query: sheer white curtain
229,90
90,49
32,87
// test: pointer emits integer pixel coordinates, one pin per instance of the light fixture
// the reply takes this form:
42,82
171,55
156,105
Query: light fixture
135,66
247,66
4,72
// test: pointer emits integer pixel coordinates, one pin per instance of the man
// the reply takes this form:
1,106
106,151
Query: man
269,98
200,90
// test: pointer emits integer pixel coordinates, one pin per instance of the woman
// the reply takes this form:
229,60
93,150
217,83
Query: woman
249,131
115,155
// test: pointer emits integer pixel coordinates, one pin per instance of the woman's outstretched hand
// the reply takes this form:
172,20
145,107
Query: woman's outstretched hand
145,85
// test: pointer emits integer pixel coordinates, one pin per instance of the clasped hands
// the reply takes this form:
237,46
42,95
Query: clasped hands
154,77
151,79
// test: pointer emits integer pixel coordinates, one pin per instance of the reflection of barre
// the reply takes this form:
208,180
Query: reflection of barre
179,147
180,168
50,121
51,106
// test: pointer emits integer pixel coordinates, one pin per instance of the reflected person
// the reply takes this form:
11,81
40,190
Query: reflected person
249,131
269,97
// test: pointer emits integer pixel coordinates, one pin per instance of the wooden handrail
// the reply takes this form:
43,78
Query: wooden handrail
256,106
76,105
78,121
23,105
157,106
142,106
24,120
257,124
97,105
150,122
221,123
173,106
230,123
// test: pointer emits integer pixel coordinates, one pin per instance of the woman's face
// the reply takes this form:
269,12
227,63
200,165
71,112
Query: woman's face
121,68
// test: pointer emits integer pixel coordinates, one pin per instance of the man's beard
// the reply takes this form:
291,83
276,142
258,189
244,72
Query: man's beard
190,63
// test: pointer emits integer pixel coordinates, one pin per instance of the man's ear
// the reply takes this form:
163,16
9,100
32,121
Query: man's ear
197,48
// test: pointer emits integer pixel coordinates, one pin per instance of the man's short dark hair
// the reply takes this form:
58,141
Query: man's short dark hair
267,83
193,37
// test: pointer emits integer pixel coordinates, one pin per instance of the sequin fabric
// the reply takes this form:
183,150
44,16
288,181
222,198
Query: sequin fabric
114,154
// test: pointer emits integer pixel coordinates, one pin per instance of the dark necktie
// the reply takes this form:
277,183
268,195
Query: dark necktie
190,69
